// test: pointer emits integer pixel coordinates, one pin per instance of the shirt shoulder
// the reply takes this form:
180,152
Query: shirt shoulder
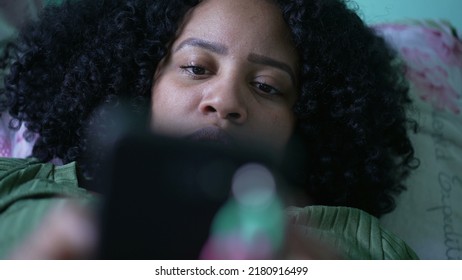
28,189
353,232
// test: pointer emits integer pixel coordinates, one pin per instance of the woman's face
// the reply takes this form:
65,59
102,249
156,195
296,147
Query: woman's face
230,75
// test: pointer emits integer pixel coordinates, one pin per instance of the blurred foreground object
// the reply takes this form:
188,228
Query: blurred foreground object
67,232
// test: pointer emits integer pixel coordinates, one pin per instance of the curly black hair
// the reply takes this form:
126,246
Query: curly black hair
351,109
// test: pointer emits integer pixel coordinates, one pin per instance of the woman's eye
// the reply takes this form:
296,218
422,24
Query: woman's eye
195,70
267,89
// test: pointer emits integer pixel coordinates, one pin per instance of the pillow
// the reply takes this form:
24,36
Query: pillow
12,15
428,215
12,142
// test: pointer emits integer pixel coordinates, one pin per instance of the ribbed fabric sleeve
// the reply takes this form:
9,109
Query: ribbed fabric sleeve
352,232
28,189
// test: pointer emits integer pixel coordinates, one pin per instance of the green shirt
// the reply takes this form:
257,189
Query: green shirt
29,188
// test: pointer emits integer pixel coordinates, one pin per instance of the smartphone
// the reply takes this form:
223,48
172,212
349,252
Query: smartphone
161,194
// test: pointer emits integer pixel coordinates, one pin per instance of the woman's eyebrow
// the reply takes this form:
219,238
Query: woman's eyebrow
211,46
223,50
264,60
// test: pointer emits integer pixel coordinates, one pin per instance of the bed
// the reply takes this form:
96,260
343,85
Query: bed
428,215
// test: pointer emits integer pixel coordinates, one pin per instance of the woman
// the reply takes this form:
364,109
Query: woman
257,72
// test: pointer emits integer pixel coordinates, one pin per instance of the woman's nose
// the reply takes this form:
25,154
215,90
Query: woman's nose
226,102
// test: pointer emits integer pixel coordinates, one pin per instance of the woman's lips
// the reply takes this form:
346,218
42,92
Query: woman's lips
211,134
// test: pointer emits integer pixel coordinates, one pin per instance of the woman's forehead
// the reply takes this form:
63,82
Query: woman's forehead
255,24
239,15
